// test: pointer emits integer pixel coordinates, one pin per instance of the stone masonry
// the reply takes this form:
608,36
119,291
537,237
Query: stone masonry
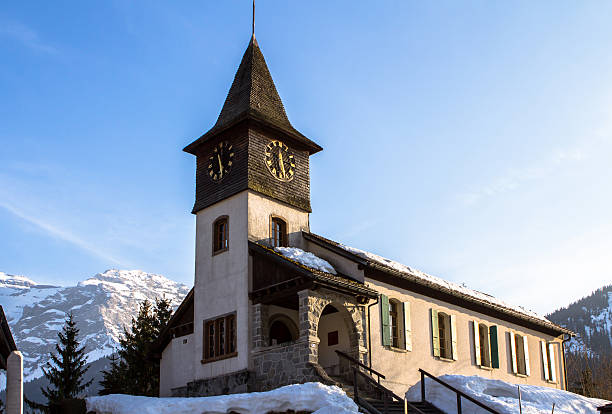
297,362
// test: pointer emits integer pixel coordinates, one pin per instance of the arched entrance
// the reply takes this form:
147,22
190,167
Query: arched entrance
335,334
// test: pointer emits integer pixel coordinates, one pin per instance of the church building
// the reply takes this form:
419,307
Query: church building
274,303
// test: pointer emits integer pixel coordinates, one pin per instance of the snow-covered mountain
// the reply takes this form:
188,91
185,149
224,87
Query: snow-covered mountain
591,318
102,305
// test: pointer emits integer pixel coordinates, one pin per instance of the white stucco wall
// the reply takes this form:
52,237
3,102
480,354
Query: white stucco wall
261,208
401,367
221,283
176,365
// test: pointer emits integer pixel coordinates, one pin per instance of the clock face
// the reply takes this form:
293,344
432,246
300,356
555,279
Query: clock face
221,160
280,161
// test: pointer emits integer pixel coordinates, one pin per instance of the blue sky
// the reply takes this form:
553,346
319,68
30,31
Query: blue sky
471,140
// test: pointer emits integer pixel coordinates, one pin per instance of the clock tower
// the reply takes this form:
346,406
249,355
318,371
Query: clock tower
252,185
253,146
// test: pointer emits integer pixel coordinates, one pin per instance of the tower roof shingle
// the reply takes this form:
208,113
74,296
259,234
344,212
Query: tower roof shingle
253,95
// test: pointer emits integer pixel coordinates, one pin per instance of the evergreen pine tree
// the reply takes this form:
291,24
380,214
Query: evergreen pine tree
66,369
112,379
135,372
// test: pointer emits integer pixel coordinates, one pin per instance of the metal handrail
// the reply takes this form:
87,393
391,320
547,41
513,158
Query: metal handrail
354,361
385,391
450,387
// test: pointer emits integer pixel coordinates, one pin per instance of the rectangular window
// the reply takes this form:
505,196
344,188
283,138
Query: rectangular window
219,338
332,338
394,329
520,354
482,345
548,361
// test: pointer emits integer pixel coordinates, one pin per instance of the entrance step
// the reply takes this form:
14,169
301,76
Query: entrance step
398,407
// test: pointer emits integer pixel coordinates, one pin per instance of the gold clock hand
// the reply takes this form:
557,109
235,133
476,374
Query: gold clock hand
280,160
220,165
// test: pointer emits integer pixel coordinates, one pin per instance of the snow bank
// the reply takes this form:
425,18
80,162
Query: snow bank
438,281
502,397
313,396
306,258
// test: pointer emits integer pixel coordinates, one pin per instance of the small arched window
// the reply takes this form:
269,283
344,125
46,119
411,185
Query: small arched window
220,235
279,232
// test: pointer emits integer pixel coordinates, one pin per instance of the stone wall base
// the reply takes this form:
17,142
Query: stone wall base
234,383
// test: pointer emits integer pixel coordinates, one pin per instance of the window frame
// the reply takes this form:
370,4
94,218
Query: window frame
445,328
225,337
223,244
394,324
284,242
519,342
484,340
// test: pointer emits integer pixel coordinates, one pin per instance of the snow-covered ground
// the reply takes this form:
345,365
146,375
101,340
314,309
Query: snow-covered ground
306,258
502,397
315,397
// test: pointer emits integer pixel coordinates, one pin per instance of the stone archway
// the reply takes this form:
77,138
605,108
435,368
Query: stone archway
312,308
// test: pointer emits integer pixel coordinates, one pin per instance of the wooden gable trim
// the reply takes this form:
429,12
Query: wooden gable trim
338,283
167,333
7,343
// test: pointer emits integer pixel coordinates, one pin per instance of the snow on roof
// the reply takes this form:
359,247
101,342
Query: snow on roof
306,258
310,397
371,257
502,397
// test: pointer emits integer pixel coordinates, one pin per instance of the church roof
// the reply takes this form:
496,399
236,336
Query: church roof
337,280
253,95
485,303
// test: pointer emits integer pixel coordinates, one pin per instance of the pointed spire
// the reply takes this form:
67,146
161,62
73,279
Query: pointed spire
253,92
253,95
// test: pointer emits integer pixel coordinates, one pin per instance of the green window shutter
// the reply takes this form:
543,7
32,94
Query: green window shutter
435,333
526,348
477,343
453,321
553,367
544,359
407,327
384,317
494,348
513,352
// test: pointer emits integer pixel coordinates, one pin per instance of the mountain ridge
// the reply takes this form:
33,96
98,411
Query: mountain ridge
101,304
591,319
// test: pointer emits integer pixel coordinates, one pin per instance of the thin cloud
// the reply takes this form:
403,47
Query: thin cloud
26,36
59,233
517,176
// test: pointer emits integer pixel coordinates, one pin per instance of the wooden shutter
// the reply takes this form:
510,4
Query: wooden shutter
545,359
435,333
526,349
453,321
494,347
384,317
513,352
553,368
407,327
477,343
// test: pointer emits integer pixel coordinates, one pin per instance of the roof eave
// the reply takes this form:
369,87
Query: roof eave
333,246
310,145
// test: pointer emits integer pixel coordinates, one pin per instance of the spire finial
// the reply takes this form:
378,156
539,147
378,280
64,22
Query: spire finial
253,18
